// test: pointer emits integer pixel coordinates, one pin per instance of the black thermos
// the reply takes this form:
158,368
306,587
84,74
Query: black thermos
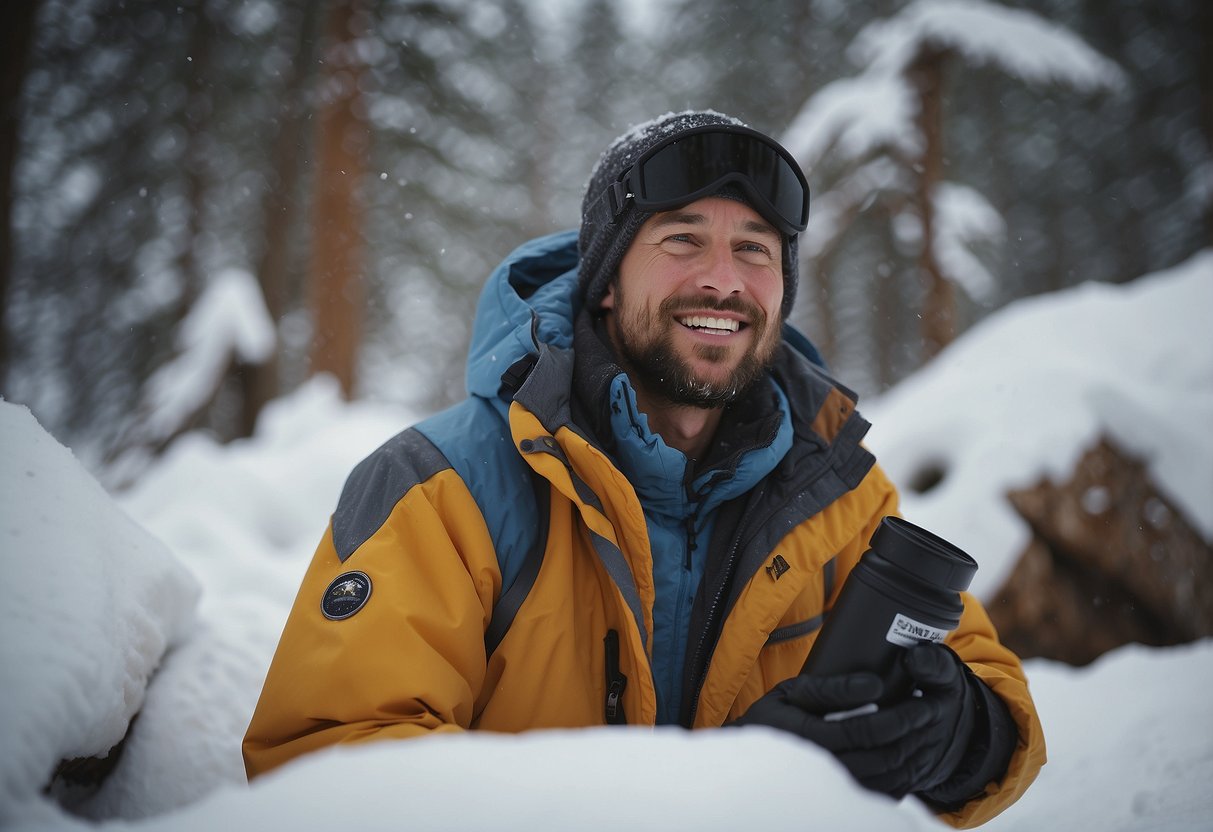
905,589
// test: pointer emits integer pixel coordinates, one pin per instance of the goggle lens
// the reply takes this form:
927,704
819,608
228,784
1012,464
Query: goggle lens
695,164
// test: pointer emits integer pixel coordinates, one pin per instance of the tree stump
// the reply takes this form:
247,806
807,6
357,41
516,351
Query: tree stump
1111,561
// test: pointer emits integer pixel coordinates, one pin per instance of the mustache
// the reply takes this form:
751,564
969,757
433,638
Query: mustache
710,303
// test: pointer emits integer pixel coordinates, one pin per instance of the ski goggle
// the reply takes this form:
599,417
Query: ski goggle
700,161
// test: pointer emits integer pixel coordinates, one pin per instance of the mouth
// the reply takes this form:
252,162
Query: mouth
711,325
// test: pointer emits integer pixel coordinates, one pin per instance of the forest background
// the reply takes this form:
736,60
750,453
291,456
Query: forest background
244,193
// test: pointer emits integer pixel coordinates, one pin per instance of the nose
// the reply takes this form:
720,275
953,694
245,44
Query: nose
720,273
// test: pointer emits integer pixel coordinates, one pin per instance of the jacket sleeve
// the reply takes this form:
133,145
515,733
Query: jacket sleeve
411,660
976,642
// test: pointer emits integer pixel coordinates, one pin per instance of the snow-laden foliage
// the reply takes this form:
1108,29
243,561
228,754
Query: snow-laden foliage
855,118
876,110
228,322
1020,43
963,219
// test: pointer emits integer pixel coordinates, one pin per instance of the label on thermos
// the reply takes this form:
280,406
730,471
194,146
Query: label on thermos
906,632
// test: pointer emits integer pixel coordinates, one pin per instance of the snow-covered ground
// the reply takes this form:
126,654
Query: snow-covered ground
173,615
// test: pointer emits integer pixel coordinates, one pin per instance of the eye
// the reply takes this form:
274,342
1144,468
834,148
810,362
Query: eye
754,252
681,239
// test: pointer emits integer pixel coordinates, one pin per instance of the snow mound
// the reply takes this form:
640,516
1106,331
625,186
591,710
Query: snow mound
1130,743
587,779
93,602
1029,390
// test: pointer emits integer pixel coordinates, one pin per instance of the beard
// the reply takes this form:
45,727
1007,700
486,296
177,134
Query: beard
646,348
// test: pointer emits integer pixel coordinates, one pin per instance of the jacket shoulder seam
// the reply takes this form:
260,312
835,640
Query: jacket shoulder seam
378,483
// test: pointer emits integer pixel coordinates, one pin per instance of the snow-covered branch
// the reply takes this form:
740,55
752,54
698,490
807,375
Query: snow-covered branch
228,321
1020,43
963,217
856,116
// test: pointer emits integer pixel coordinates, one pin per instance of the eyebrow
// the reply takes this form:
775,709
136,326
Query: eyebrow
688,218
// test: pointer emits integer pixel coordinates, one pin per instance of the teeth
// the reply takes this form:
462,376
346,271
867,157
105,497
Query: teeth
704,322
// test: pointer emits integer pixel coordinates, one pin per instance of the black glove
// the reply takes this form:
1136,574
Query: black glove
943,708
907,747
798,705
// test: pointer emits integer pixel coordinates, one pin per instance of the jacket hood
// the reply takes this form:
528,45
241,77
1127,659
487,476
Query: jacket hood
532,296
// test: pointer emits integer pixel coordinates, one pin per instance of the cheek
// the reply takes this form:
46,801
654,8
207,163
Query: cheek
666,280
769,294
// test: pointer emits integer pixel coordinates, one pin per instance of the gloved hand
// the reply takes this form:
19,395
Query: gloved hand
906,747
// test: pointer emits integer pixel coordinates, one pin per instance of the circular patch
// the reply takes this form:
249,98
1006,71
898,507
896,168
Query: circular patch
347,594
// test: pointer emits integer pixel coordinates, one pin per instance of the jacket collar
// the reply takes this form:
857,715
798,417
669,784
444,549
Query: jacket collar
754,433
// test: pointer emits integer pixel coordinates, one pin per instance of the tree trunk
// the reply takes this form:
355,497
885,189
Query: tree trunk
260,383
887,333
939,302
16,39
337,290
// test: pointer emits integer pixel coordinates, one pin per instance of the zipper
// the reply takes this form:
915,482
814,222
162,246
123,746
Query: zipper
713,611
697,498
616,682
710,620
691,541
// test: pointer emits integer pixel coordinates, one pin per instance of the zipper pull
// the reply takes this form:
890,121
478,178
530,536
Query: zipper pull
617,683
692,543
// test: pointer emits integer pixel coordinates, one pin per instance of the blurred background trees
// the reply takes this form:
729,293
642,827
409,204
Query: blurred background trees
364,163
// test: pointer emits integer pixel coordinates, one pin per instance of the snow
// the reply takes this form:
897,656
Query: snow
854,124
1029,390
103,620
1130,743
963,218
876,111
91,603
228,321
1019,42
856,117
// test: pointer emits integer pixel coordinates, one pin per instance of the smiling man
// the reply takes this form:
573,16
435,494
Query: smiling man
694,315
642,511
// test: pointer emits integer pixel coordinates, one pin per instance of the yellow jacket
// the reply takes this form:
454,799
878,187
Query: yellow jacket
413,658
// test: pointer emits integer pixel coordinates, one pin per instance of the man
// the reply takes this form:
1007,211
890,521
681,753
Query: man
642,511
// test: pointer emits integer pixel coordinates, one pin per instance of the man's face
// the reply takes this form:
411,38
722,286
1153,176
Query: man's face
695,311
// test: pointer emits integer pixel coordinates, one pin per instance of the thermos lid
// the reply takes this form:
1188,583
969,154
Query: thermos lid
924,554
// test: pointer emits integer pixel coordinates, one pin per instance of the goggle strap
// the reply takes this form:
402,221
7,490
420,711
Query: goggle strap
609,204
618,195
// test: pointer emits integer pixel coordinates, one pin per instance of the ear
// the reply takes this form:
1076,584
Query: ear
608,300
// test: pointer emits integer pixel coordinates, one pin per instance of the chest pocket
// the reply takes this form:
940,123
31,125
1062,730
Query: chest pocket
799,625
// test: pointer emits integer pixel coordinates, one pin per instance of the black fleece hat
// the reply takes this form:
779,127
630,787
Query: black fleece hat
602,244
